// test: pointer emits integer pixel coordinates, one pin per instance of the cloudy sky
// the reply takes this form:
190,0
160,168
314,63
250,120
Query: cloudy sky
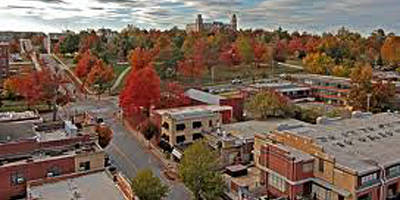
303,15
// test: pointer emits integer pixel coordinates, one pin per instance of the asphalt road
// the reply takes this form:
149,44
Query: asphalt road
127,153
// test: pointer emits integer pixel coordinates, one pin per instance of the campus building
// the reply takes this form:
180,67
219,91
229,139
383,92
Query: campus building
328,89
199,25
336,159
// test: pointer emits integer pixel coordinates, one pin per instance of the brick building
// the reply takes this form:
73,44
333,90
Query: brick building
4,62
336,159
44,154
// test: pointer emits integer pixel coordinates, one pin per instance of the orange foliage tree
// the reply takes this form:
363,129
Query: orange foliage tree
172,96
100,77
391,50
140,58
105,135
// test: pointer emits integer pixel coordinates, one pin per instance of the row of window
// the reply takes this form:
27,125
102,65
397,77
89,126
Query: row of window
277,182
17,178
371,178
195,125
181,139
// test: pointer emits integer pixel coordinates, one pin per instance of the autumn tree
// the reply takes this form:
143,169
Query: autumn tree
85,64
198,170
105,135
318,63
280,51
261,53
148,187
391,51
245,48
148,129
379,94
10,87
141,91
194,64
296,47
172,96
100,77
69,44
268,104
140,58
230,55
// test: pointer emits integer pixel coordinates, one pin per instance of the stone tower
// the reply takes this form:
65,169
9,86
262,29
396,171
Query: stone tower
199,23
234,22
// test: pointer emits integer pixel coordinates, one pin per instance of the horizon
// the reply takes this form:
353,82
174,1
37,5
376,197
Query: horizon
311,16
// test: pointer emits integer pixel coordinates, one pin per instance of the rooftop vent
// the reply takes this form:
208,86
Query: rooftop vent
322,139
362,139
348,142
389,133
382,134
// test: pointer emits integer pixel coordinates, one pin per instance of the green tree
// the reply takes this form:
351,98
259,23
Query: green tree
70,44
245,48
268,104
148,187
198,170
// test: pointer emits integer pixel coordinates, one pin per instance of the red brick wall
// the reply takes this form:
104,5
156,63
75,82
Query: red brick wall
237,106
31,171
373,192
22,147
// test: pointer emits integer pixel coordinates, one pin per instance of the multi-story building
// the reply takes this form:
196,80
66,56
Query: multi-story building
184,127
336,159
4,62
328,89
43,152
199,25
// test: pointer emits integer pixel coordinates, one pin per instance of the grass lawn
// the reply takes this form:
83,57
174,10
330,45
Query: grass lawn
118,69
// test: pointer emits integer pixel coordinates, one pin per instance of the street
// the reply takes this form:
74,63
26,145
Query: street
127,153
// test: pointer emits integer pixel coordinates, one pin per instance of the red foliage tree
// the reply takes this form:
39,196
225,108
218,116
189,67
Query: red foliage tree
173,96
296,45
88,42
141,92
140,58
260,53
230,55
85,64
194,64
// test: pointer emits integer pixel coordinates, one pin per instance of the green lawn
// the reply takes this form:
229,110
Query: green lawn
118,69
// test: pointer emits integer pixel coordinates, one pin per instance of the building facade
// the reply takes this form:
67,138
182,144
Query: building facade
181,128
199,25
4,62
30,159
350,159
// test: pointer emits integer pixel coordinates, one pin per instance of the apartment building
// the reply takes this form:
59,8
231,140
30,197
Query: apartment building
328,89
185,126
357,158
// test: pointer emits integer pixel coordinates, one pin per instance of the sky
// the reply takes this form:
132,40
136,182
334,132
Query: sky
315,16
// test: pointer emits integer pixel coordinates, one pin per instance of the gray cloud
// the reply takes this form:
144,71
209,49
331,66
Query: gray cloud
311,15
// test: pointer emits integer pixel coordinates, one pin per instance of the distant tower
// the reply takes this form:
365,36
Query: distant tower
199,23
234,22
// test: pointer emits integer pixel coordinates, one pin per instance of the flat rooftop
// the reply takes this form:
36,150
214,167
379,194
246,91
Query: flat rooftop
39,155
213,108
195,114
12,131
281,86
248,129
321,77
202,96
97,186
359,143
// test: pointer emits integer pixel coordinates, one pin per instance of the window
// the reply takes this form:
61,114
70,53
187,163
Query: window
210,123
364,197
369,178
197,136
196,124
180,139
180,127
17,178
320,165
53,171
165,125
394,171
84,166
307,167
277,182
320,192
